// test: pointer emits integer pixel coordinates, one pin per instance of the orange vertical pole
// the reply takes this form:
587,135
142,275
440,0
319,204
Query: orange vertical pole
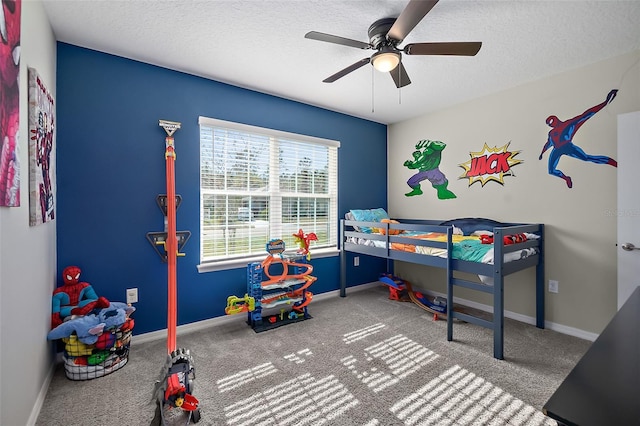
171,245
171,242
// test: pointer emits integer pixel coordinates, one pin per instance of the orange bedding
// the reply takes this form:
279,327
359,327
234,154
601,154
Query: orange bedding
431,236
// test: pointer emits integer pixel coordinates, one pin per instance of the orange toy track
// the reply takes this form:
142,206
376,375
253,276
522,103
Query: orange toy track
299,292
174,390
388,279
307,299
271,260
292,293
415,300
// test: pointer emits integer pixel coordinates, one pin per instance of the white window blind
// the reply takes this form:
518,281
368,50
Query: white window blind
258,184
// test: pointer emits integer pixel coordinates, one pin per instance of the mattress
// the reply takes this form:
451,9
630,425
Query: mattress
465,247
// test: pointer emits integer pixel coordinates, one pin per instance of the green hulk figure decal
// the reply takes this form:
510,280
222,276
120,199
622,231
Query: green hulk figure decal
426,159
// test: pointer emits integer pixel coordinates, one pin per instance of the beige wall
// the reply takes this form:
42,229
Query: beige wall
580,229
27,255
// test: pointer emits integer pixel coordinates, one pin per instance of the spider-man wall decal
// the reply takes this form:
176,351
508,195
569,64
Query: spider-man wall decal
560,140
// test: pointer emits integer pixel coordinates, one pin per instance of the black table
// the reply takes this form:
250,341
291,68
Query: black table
604,387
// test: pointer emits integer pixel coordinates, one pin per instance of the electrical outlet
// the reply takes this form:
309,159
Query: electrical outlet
356,261
553,286
132,295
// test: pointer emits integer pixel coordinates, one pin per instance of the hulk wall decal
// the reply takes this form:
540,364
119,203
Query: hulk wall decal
426,159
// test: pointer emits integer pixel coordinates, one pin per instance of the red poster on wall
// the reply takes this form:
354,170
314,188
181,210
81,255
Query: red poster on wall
41,146
9,103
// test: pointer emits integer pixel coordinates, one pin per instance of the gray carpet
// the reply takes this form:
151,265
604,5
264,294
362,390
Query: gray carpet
361,360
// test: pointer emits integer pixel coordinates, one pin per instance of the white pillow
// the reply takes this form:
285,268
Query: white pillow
480,233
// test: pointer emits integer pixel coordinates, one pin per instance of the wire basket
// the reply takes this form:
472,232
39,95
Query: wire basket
110,353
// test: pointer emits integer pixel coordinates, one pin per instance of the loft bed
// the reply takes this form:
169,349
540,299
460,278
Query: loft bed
454,245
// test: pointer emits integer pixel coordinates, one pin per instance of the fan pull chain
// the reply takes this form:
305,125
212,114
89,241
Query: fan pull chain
400,81
372,77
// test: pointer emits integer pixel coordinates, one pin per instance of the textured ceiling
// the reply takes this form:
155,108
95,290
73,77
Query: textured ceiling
260,45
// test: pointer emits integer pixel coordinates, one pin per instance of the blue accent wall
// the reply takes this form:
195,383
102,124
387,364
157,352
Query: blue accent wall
110,168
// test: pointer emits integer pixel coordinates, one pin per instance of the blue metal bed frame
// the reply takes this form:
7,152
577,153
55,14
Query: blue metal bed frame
498,270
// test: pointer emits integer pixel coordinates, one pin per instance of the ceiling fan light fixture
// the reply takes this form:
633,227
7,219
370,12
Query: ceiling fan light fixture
385,60
384,37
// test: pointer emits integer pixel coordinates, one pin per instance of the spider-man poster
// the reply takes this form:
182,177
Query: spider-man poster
41,143
9,102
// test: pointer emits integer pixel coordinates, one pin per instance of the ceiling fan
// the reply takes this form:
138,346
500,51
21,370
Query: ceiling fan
386,34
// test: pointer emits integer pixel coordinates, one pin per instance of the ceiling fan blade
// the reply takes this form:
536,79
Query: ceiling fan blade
469,48
409,18
314,35
400,76
347,70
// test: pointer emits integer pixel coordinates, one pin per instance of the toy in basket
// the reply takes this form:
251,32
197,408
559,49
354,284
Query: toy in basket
96,333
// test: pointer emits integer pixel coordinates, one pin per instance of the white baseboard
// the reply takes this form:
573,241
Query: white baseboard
37,406
564,329
204,324
186,328
571,331
201,325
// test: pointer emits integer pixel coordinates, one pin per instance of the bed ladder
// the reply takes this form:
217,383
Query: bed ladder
497,289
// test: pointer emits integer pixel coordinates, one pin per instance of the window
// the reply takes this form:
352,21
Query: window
259,184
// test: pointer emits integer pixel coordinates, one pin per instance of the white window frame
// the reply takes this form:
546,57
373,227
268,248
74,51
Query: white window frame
330,250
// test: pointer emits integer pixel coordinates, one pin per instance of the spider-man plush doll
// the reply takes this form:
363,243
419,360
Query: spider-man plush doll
74,297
